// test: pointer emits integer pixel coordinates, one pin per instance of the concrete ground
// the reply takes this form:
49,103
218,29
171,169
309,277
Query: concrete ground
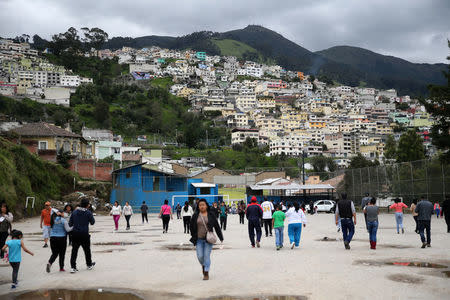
317,270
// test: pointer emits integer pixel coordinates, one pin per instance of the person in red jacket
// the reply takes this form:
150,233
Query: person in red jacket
398,207
254,213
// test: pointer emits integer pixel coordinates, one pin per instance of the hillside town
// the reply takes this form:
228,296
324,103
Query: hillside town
290,113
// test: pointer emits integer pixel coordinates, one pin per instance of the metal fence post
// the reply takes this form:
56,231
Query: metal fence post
412,179
443,182
426,178
353,184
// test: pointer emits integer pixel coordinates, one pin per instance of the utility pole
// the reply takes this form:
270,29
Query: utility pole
303,174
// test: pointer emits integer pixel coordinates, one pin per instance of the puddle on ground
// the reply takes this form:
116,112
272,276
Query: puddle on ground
327,239
188,247
76,294
405,278
394,246
117,243
273,297
418,264
110,250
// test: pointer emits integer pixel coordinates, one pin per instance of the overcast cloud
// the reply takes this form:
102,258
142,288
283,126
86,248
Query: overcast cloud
416,30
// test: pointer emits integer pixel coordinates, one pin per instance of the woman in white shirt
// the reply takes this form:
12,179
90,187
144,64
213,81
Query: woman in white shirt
296,217
116,210
127,212
186,214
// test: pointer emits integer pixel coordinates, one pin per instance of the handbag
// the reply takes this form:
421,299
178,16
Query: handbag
210,236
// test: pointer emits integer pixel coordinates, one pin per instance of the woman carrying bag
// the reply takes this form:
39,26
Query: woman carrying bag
203,224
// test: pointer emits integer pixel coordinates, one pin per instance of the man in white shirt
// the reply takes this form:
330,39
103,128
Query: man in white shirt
268,208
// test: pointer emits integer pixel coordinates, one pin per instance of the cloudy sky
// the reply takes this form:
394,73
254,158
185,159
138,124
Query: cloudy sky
416,30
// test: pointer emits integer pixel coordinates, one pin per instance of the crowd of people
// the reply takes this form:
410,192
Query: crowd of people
205,224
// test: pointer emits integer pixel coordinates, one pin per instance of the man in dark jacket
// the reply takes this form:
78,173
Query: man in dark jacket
446,212
345,210
80,220
254,213
424,209
144,211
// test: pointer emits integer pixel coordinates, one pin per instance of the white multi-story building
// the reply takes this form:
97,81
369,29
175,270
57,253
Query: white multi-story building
239,135
40,78
290,145
70,80
246,102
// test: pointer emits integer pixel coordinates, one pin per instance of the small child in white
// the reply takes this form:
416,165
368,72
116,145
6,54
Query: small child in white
15,246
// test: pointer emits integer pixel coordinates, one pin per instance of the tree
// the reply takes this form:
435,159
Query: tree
93,38
390,148
101,111
63,158
67,41
359,161
410,147
438,105
322,164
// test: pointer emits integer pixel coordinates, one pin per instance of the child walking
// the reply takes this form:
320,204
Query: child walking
278,225
15,246
58,240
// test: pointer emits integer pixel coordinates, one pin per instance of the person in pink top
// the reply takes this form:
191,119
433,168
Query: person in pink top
437,209
166,214
398,207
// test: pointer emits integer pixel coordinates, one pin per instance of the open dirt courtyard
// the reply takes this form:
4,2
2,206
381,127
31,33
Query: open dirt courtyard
154,265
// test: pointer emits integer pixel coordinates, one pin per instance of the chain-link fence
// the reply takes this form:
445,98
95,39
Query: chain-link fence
409,180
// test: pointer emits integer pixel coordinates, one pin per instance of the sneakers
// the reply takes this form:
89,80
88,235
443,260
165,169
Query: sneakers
206,275
91,266
13,286
62,270
258,245
278,248
347,245
292,245
424,245
48,267
403,231
45,246
428,245
73,270
253,246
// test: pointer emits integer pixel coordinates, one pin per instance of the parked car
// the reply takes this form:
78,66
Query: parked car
327,206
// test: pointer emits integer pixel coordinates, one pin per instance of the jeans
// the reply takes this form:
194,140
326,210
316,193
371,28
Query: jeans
223,222
58,246
279,231
83,240
372,227
144,216
438,212
165,220
295,232
127,218
253,225
204,253
399,220
425,225
15,266
241,218
348,229
186,223
268,226
339,225
417,224
116,221
178,214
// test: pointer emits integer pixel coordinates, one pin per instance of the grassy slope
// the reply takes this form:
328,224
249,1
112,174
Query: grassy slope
23,174
229,47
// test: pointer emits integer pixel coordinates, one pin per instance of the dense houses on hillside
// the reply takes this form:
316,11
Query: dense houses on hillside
24,73
287,111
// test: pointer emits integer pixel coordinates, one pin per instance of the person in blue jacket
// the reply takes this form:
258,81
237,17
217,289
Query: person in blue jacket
58,239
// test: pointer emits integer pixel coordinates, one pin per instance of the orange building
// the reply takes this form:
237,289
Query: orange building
301,76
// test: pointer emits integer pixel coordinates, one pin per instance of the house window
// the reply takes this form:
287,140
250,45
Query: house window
156,183
116,150
205,191
66,146
43,145
74,147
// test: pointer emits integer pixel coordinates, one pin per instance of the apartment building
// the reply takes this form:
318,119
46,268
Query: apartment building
239,135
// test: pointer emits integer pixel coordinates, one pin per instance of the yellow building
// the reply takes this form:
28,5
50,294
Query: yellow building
50,137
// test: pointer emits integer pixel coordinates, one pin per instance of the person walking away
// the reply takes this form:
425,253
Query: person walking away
144,211
283,207
127,212
364,201
223,216
241,212
6,219
296,218
68,209
278,218
446,212
215,210
424,209
166,214
254,214
58,240
15,246
203,222
398,208
80,220
267,208
46,214
311,207
186,214
178,208
345,210
371,210
414,214
437,209
115,212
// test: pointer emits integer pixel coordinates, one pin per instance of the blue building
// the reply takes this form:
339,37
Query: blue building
201,55
142,182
